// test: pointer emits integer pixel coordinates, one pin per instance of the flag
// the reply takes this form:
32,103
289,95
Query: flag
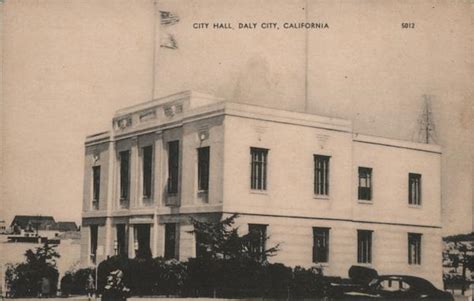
167,39
168,18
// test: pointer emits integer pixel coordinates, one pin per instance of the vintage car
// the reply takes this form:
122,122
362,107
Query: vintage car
366,284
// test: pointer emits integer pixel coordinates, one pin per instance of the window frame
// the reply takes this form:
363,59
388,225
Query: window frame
173,167
364,193
122,246
203,168
147,172
124,187
321,180
174,243
414,189
262,242
414,248
364,246
96,175
258,168
93,242
321,232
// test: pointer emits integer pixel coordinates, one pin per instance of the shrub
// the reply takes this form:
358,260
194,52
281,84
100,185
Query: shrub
169,276
75,282
308,283
112,264
28,279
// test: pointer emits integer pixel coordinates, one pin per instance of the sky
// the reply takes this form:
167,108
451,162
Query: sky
68,65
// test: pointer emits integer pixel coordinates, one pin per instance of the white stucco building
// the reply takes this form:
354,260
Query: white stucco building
327,195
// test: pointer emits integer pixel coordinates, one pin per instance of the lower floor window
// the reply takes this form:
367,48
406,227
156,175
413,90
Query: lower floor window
121,242
414,248
142,241
364,246
320,244
94,229
258,238
171,241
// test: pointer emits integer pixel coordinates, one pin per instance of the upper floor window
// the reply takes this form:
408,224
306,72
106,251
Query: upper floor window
124,157
203,168
95,186
321,175
365,183
147,170
364,246
258,239
173,167
414,248
414,189
320,244
258,168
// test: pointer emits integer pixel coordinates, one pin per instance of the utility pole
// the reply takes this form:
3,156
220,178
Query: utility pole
427,129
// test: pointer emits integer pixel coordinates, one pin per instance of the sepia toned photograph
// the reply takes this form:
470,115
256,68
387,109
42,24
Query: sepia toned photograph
244,149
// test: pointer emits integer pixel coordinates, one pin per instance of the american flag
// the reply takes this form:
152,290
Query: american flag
168,18
167,39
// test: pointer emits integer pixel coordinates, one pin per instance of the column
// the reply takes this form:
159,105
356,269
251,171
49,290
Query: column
110,198
157,188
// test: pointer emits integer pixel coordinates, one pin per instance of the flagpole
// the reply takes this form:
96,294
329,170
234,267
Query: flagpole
153,69
306,60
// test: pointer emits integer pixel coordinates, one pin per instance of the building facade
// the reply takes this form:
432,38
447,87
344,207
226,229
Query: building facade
326,195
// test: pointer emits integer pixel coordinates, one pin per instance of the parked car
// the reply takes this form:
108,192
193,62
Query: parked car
366,284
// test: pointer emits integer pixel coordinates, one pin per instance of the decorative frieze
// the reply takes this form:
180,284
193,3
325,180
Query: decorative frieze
147,115
172,110
123,122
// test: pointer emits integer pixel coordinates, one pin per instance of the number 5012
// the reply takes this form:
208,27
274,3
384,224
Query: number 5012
408,25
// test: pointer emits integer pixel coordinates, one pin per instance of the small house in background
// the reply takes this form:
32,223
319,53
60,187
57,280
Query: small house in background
66,227
40,225
3,227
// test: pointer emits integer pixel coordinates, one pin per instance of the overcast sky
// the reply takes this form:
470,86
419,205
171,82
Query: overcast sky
68,65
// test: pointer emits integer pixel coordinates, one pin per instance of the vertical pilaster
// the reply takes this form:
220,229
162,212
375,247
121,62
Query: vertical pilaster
158,188
131,241
110,198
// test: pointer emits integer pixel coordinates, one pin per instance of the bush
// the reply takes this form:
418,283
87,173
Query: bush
36,276
112,264
145,276
75,282
308,283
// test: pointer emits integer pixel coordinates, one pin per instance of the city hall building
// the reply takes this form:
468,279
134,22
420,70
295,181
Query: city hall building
328,196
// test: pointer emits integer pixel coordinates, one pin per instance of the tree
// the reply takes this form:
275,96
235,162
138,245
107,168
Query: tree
26,279
220,240
460,252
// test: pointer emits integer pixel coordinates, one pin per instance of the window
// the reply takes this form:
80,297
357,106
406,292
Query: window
414,189
364,246
147,153
173,167
94,229
258,238
121,243
95,186
142,241
414,248
258,168
320,244
124,175
170,241
201,249
321,175
203,168
365,183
